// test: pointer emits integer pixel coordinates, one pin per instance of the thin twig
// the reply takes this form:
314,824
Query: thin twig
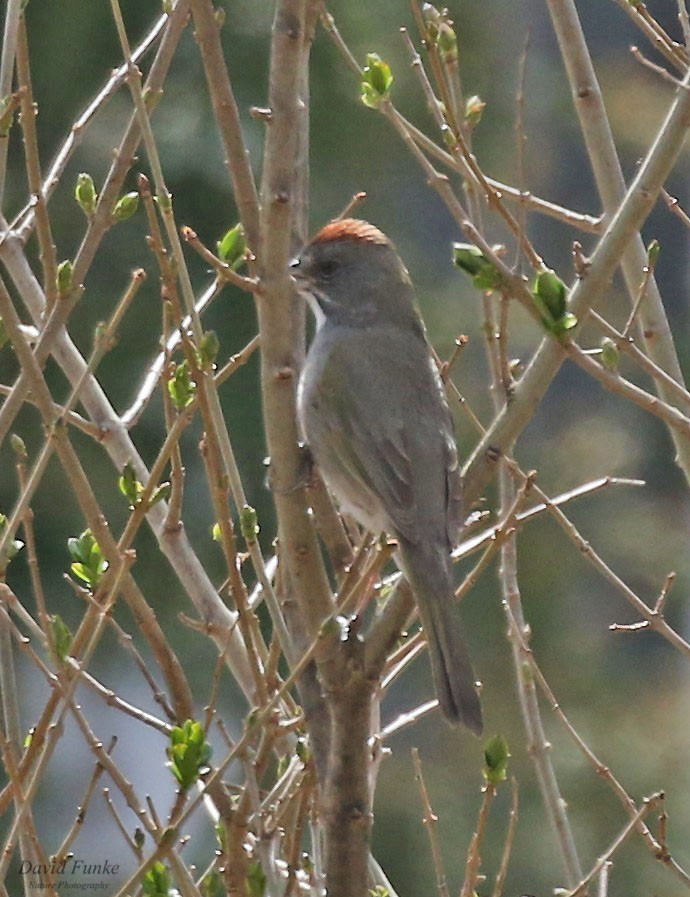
430,820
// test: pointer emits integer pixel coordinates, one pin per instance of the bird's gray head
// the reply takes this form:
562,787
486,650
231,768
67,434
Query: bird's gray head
351,274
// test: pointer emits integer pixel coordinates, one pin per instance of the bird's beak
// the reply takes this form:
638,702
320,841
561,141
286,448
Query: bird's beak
297,275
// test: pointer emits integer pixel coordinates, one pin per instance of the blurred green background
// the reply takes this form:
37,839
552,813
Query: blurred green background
628,695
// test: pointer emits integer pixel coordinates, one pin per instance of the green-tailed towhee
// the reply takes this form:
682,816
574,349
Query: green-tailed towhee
374,415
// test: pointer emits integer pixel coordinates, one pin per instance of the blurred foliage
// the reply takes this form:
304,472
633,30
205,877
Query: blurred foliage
626,693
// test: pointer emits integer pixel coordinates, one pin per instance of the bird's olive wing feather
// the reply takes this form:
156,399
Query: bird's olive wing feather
386,416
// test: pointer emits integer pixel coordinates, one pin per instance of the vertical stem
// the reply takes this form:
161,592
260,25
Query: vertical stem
538,745
347,799
9,49
281,314
227,116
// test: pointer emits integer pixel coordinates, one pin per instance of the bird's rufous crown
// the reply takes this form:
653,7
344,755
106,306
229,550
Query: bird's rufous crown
350,229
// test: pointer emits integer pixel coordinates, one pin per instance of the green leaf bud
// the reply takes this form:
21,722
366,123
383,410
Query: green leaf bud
156,882
653,251
62,637
126,206
609,354
208,348
551,290
377,80
248,523
565,323
468,258
18,446
432,20
85,194
13,546
181,387
232,246
474,109
447,43
472,261
189,753
89,563
160,493
302,750
164,201
496,756
64,277
130,486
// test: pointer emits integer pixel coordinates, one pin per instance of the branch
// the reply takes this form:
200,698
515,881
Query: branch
632,254
546,362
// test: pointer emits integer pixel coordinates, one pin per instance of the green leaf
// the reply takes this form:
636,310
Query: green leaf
156,882
256,880
130,486
496,756
211,884
81,571
189,753
181,387
377,80
89,564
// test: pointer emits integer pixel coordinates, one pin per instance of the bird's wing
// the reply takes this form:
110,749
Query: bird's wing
395,421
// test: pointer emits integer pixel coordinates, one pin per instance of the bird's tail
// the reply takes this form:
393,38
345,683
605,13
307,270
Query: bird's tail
428,572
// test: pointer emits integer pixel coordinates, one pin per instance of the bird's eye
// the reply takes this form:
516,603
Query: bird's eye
328,267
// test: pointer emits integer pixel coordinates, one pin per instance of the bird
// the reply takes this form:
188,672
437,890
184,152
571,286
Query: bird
373,413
